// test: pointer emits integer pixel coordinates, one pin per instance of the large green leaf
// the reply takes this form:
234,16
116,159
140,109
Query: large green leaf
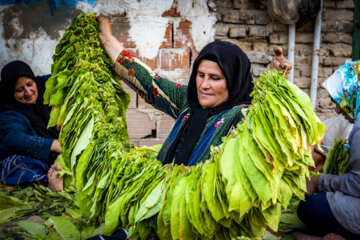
34,228
65,228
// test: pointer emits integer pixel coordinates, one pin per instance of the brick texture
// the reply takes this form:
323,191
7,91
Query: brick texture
258,32
236,32
222,29
120,28
168,42
164,126
277,38
152,63
232,16
182,35
176,60
139,124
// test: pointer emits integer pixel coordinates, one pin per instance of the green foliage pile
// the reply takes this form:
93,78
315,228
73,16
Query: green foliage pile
11,207
337,159
30,213
237,193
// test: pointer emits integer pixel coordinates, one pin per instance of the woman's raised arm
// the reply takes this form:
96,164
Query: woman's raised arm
112,46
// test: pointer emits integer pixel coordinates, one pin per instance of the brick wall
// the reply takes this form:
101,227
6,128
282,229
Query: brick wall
247,24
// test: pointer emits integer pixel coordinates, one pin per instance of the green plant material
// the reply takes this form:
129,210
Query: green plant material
91,231
83,141
152,203
65,228
35,229
53,235
8,213
337,159
12,208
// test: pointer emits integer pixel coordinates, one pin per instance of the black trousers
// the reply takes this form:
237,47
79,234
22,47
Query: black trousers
315,212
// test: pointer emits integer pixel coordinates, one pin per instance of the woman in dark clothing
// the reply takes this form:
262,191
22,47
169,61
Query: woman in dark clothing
27,146
210,106
204,111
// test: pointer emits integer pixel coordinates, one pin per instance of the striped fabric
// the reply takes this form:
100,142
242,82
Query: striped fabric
17,170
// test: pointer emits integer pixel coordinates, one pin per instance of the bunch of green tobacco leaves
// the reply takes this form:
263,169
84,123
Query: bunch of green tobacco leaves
337,159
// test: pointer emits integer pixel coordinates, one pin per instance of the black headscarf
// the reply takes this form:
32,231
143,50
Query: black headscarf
38,114
235,66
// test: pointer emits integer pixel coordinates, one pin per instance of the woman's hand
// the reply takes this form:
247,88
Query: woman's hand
319,159
55,146
104,25
112,46
312,184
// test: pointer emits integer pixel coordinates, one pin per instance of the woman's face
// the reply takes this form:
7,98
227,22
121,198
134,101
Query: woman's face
26,90
210,85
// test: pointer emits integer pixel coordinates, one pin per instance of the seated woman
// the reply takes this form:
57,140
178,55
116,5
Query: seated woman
27,147
336,206
205,110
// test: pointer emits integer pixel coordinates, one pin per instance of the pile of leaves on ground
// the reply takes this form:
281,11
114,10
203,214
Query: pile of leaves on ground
38,213
238,192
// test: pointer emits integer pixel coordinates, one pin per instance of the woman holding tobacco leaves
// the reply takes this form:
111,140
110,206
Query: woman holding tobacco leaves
335,208
211,105
208,108
27,147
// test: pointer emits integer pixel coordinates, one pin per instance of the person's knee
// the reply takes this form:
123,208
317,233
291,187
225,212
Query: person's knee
302,211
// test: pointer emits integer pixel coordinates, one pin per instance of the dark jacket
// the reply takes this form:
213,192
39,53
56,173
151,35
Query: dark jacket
17,137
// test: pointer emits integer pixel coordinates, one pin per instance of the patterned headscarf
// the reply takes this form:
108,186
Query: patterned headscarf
343,87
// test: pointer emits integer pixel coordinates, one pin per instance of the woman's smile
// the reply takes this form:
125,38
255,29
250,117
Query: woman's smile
211,85
26,90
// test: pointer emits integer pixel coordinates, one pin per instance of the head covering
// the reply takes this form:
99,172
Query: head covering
38,114
235,66
343,87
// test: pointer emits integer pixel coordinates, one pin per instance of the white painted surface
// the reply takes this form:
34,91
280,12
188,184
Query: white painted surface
197,12
148,33
291,52
147,29
37,50
315,60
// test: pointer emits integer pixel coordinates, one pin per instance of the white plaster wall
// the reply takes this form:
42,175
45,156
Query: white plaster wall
37,51
147,29
197,12
147,25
